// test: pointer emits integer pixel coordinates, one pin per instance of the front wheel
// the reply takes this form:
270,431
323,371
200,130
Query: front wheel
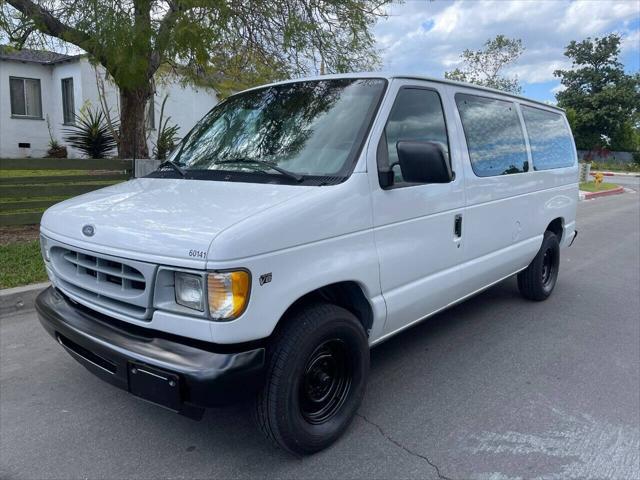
316,378
537,281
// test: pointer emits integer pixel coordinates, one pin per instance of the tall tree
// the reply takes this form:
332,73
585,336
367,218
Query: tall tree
605,100
226,44
485,67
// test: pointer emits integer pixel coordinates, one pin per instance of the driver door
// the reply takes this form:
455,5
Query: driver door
417,227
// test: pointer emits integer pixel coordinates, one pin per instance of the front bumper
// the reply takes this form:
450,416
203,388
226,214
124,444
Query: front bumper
177,373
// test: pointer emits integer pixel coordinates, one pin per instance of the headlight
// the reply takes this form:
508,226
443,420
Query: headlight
228,293
189,290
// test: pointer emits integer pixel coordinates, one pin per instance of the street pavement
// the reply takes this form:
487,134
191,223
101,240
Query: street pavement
495,388
625,181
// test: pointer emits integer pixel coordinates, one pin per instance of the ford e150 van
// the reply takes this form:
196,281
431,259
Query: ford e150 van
295,227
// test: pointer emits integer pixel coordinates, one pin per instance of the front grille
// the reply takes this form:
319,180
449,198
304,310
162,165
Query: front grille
103,270
119,285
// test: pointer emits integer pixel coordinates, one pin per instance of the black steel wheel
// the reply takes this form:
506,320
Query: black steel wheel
326,381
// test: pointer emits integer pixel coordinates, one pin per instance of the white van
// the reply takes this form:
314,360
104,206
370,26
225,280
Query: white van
298,225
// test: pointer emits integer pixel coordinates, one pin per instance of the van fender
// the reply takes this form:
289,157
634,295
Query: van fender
282,278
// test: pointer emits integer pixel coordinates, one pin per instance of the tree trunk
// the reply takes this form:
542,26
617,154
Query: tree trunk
133,135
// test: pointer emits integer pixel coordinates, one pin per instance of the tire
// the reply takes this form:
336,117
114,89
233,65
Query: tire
317,371
537,281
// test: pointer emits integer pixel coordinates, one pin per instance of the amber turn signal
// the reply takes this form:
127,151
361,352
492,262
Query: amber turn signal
228,293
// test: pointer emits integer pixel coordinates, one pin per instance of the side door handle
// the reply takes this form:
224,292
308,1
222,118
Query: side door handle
457,226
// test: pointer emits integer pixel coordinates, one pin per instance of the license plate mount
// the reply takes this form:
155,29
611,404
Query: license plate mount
155,385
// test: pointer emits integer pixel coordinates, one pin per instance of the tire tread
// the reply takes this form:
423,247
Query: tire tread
529,282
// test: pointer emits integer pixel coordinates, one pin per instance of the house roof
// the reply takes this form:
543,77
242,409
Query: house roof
42,57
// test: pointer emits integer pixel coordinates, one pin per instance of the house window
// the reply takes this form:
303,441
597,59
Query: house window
26,100
68,107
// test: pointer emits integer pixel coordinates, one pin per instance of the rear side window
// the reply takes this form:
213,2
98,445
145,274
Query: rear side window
550,139
494,135
416,115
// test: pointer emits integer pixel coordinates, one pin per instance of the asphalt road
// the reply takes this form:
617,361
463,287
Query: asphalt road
495,388
626,181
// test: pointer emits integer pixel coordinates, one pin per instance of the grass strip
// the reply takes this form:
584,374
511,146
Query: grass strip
21,264
592,187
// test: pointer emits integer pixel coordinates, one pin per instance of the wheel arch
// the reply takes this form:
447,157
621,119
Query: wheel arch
556,226
347,294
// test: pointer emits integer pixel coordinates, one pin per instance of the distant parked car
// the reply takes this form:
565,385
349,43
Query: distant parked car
298,225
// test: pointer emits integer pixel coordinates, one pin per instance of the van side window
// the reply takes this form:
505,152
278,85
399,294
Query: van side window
550,139
494,135
416,115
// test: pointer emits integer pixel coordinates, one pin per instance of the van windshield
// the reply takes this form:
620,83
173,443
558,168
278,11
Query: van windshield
303,132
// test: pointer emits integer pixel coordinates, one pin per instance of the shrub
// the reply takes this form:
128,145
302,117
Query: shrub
55,149
167,135
91,134
167,139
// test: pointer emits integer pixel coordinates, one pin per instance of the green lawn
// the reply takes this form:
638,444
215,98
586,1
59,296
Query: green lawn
44,181
21,264
20,259
10,200
23,210
591,186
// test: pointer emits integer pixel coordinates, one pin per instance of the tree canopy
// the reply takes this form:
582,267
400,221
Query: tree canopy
225,44
603,102
485,67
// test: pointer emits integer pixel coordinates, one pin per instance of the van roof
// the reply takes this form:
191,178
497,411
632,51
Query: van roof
389,76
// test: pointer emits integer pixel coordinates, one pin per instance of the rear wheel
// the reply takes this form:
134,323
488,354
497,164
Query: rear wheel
537,281
316,378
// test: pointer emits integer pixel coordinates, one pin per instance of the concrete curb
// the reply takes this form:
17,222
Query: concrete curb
19,299
603,193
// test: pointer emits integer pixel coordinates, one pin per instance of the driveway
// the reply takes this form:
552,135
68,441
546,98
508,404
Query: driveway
495,388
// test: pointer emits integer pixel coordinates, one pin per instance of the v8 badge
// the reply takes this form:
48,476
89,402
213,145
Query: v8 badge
265,278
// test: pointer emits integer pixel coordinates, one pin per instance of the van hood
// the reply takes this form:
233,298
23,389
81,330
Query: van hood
176,219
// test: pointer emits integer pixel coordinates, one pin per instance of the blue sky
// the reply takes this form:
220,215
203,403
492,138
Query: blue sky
427,37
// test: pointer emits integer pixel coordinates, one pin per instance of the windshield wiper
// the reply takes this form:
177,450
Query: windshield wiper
272,166
175,166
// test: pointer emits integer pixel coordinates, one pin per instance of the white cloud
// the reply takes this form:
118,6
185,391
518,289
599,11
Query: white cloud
630,41
588,18
538,71
545,27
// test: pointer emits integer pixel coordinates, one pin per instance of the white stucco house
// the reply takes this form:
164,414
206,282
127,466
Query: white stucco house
37,85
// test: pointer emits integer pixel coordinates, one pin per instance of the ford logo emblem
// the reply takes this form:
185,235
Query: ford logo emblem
88,230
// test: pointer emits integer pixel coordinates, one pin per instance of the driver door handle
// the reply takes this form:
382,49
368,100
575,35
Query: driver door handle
457,226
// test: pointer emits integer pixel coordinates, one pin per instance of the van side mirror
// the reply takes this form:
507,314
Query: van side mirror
423,162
